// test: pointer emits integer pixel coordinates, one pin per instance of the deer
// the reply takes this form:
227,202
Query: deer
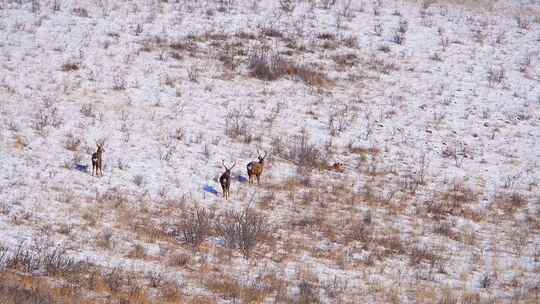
225,179
97,160
338,167
255,168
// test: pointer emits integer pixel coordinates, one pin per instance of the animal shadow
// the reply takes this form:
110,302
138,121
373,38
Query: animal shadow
82,168
210,189
242,179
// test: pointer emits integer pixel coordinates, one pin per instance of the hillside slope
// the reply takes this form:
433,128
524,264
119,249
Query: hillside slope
433,107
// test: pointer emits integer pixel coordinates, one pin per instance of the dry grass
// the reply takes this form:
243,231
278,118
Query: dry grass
231,289
265,65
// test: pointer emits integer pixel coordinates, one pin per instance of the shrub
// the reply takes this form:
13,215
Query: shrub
195,226
398,37
303,153
70,67
264,65
308,293
496,76
242,229
72,143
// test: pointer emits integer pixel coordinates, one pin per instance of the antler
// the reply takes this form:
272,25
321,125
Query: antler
258,154
223,163
234,164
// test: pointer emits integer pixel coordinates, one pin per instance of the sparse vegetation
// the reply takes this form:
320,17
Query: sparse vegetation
400,139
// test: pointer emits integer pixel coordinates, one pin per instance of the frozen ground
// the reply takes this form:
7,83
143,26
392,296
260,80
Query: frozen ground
433,107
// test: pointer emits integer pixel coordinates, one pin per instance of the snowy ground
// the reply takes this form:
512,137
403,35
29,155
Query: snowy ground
439,134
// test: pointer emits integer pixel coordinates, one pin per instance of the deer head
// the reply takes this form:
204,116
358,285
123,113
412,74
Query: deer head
261,158
227,170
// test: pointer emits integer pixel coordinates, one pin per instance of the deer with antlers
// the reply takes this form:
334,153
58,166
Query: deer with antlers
225,179
255,168
97,160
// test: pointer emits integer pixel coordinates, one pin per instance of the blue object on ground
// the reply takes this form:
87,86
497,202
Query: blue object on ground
242,179
82,168
210,189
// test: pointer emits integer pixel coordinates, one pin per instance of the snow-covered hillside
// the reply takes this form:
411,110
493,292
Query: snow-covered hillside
433,107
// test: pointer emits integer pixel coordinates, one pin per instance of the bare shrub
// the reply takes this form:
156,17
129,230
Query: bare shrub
45,117
155,278
335,289
138,180
271,32
523,22
235,124
88,110
501,37
398,37
359,230
496,75
510,202
303,153
72,143
70,67
403,26
235,291
119,83
308,293
81,12
380,65
138,252
340,120
486,281
242,229
343,60
384,48
525,63
378,29
426,254
436,57
104,239
179,260
12,292
193,74
195,226
56,5
287,5
265,65
350,41
187,45
57,262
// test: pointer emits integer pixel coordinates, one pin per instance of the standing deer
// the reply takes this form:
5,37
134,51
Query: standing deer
97,160
225,180
256,168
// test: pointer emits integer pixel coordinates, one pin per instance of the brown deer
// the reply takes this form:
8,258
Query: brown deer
338,167
255,168
225,180
97,160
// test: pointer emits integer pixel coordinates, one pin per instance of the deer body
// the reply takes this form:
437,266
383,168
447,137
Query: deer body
225,180
255,168
97,161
